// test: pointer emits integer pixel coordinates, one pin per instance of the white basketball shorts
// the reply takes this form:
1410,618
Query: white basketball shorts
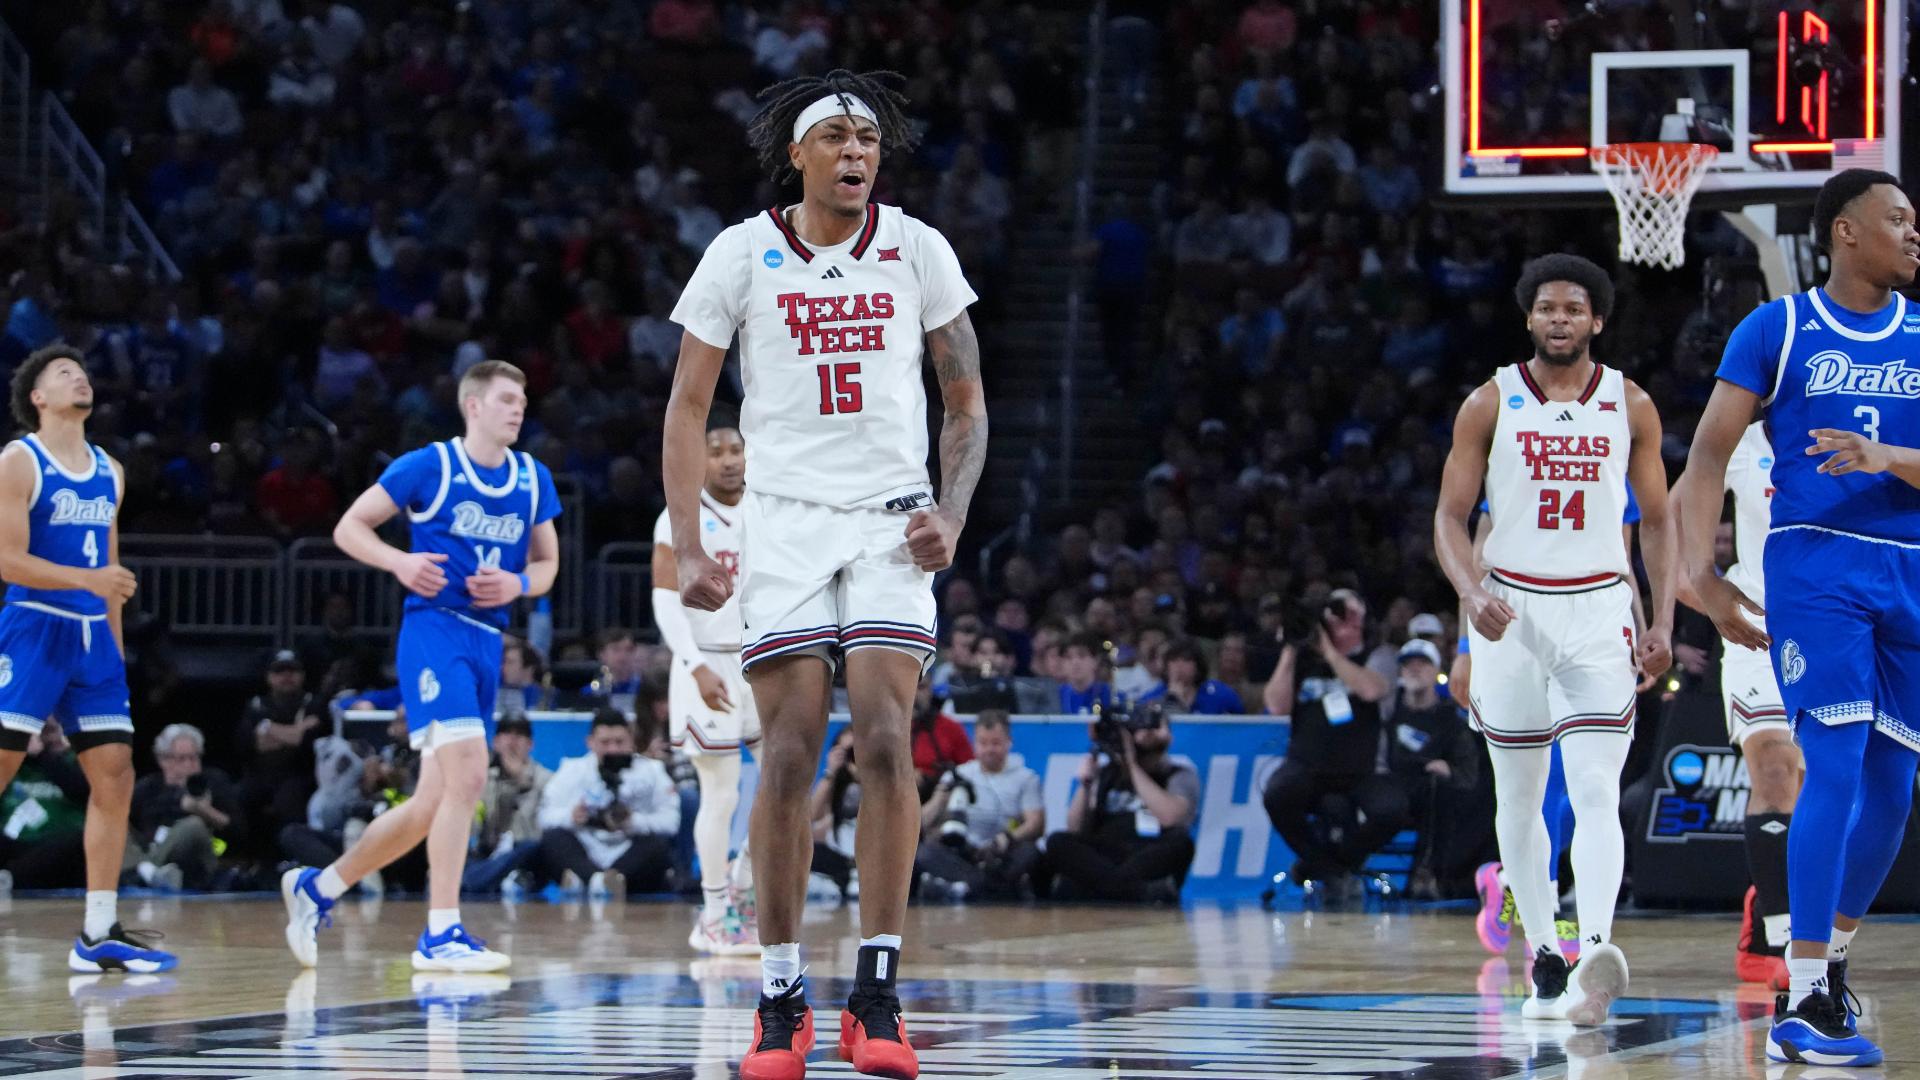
697,729
1564,666
1750,690
824,581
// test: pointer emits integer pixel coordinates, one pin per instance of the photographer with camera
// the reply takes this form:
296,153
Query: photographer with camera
981,827
609,816
178,812
1127,835
1334,702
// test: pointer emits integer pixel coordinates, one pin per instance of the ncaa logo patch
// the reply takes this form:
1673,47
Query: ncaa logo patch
1766,463
1793,665
429,686
1516,401
6,669
773,259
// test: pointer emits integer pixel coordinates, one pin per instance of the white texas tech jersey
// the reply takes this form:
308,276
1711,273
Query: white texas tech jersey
1750,480
830,350
1557,482
720,536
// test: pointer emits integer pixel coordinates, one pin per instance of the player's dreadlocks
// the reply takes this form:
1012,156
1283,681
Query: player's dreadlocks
772,130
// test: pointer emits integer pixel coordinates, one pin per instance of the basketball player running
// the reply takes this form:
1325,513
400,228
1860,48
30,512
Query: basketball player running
712,708
1555,439
61,651
1829,371
481,519
1756,719
837,300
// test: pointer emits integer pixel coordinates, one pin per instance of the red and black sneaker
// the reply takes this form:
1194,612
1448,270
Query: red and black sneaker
873,1037
782,1038
1753,961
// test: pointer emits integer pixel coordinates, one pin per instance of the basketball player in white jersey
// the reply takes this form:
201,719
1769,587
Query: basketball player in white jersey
1757,723
837,302
710,704
1554,439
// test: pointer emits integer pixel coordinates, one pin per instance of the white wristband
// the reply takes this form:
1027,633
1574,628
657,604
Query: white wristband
676,633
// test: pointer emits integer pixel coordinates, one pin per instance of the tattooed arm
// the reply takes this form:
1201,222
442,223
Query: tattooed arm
955,354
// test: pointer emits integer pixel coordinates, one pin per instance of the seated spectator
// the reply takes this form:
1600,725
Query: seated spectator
980,830
1081,691
201,106
621,661
1436,760
1148,668
835,810
340,810
610,815
506,839
275,739
939,742
521,671
962,635
1127,835
338,648
988,684
43,816
177,813
1187,689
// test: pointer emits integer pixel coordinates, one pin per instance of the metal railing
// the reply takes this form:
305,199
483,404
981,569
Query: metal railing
317,569
67,157
1082,230
212,586
623,585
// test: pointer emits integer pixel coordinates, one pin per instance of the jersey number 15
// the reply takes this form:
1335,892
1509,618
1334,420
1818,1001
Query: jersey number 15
839,390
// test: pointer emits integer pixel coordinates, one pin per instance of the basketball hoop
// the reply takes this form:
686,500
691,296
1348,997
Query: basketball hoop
1652,184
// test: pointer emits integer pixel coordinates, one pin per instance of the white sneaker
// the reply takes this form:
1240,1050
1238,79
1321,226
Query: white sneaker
307,912
456,950
725,936
1598,980
607,885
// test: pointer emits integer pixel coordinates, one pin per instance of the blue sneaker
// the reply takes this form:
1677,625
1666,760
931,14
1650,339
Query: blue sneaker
121,950
456,950
307,912
1817,1033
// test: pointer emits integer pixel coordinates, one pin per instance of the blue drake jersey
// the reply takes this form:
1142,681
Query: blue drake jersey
1817,365
68,520
473,515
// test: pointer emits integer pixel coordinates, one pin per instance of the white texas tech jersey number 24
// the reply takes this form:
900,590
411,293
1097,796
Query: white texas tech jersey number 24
831,346
1557,478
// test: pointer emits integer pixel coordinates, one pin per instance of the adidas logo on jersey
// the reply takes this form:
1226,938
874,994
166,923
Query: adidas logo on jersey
1565,414
833,272
1810,324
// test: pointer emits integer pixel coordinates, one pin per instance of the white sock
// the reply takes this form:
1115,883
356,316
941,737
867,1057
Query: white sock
883,941
330,884
1599,848
145,870
1809,975
103,910
440,920
780,969
715,907
1520,782
1838,945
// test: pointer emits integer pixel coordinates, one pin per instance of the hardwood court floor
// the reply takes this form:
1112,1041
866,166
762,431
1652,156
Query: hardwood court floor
992,992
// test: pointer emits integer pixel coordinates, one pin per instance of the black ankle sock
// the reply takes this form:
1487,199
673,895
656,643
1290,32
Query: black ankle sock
877,968
1767,863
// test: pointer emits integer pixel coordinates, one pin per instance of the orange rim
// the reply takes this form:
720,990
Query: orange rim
1662,167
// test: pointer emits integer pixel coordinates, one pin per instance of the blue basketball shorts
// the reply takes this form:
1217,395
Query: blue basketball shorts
56,663
449,671
1844,614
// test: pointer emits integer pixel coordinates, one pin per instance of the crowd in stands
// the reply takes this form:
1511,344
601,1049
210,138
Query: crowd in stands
366,197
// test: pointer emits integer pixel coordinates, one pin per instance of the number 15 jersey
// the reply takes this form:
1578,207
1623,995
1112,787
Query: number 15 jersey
831,341
1557,480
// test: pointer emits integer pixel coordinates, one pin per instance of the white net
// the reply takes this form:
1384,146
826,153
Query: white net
1652,185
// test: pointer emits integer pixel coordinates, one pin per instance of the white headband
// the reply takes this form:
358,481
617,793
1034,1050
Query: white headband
830,106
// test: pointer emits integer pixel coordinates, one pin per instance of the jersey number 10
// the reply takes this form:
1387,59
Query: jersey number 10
1556,508
839,392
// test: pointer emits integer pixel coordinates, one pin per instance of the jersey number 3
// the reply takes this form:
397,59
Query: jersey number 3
1557,508
839,390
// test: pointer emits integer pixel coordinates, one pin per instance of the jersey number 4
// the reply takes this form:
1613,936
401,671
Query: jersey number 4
90,547
1558,509
839,391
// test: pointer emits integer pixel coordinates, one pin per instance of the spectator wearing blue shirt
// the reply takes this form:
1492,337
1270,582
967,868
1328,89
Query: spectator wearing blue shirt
520,672
1121,253
1083,690
1187,689
1253,333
